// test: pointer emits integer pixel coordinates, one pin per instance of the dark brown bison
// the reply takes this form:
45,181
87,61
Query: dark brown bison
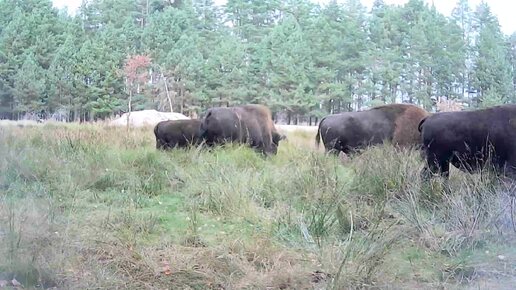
347,132
177,133
247,124
277,137
470,140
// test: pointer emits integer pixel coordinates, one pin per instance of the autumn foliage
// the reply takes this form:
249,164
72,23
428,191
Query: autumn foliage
136,68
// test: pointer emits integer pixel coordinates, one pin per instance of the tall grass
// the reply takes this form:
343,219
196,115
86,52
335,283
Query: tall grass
87,206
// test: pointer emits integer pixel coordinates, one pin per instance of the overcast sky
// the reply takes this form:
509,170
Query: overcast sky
503,9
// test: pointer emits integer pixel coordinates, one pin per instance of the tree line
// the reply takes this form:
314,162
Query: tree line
297,57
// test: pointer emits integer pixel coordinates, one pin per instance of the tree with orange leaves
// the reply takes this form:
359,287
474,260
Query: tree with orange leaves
136,74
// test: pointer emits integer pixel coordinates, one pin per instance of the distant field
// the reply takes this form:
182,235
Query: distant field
294,128
90,206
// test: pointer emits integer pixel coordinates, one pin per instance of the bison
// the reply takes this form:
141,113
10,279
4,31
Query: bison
247,124
277,137
350,131
470,140
177,133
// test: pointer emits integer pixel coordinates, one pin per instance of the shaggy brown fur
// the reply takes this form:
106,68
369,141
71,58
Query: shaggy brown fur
406,120
177,133
250,124
396,123
470,141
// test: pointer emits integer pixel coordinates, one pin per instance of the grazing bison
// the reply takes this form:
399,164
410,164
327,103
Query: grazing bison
177,133
277,137
347,132
470,140
248,124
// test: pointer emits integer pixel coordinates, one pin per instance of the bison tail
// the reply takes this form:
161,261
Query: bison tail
421,124
159,144
156,130
318,136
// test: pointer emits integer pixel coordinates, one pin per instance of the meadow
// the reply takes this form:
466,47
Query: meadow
97,207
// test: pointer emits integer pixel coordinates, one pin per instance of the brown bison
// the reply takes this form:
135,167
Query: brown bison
277,137
347,132
177,133
470,140
247,124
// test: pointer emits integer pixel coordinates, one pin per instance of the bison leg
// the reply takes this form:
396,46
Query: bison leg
159,144
334,147
510,168
333,151
169,145
436,164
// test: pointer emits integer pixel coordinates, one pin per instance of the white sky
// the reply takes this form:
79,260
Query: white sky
503,9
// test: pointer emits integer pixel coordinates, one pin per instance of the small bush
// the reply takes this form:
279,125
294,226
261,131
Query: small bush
383,172
469,207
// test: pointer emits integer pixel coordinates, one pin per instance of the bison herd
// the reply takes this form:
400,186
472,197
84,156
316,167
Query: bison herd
247,124
467,139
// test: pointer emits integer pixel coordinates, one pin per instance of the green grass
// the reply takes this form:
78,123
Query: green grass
86,206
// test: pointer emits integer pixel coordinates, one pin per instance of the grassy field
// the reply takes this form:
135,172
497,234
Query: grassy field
94,207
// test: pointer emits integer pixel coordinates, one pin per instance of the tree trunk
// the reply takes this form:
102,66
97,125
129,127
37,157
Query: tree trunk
146,12
394,93
129,107
373,96
168,93
182,94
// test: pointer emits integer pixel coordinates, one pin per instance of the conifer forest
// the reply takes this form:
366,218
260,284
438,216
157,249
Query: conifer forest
299,58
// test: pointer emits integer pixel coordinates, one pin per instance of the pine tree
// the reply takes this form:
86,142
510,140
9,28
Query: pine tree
492,69
463,17
289,64
29,86
31,27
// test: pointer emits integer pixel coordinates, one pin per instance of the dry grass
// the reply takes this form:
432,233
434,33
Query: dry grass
90,206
